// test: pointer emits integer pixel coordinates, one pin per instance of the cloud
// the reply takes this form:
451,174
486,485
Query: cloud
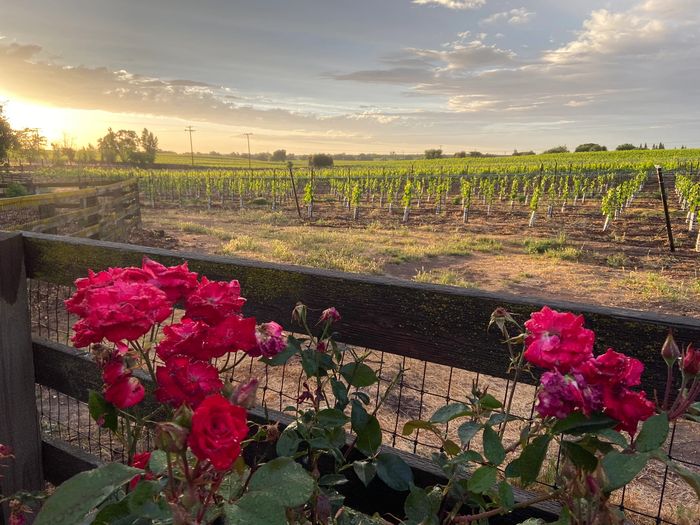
517,16
453,4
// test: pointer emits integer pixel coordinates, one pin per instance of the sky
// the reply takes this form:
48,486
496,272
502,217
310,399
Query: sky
355,76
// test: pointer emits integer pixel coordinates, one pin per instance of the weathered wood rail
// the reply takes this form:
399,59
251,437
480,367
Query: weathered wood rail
104,211
438,324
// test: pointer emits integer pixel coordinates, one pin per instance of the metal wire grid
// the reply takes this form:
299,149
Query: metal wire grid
657,497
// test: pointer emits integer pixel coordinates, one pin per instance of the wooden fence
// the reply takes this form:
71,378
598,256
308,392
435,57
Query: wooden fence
436,324
105,211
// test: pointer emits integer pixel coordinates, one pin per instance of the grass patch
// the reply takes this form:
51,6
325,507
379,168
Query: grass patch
200,229
555,248
440,276
653,286
242,243
617,260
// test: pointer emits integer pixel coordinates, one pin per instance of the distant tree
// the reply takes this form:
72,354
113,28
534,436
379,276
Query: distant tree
127,144
86,154
279,155
68,148
517,153
433,153
461,154
589,146
265,156
320,160
475,154
557,149
7,137
645,146
107,146
29,144
661,146
626,146
149,146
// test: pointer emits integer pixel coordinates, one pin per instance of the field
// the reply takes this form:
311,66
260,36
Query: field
591,230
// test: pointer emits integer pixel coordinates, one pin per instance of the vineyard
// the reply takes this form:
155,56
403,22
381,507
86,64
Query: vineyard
523,195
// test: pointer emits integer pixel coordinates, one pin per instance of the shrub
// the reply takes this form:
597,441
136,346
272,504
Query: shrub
15,189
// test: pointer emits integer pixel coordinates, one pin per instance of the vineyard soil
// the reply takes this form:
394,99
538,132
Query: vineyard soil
574,261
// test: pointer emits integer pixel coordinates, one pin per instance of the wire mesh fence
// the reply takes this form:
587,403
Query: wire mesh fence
656,496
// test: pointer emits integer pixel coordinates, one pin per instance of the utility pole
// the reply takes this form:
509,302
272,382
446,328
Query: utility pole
190,129
247,136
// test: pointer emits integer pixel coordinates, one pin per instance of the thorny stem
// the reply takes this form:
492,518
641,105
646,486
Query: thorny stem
460,520
669,381
144,356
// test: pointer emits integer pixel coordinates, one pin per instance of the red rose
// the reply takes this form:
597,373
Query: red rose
557,340
176,281
77,303
184,338
613,368
213,301
126,392
121,311
232,334
182,380
140,461
218,427
628,407
270,340
329,314
691,362
114,370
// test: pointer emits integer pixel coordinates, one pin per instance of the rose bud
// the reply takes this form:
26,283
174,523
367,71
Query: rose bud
171,437
670,351
691,361
499,317
183,416
299,313
329,314
244,394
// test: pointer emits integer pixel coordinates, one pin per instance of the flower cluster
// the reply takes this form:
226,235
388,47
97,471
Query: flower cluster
122,305
576,381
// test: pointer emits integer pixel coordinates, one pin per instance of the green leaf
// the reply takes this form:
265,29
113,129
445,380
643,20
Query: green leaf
362,397
146,501
420,508
614,437
450,447
332,480
493,448
365,470
118,514
467,431
414,424
158,463
358,374
75,498
102,411
285,355
367,429
531,459
579,456
285,479
577,423
505,495
482,479
394,471
332,417
690,477
620,468
340,393
255,508
489,402
288,442
449,412
653,434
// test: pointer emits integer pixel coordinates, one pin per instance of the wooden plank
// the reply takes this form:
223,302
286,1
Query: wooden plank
19,423
62,461
439,324
54,197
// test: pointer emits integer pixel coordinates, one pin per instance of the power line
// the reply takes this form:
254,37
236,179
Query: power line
190,129
247,136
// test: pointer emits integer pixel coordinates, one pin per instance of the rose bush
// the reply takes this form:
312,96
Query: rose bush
210,463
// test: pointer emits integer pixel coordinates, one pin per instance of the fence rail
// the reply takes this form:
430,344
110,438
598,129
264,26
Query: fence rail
105,211
424,324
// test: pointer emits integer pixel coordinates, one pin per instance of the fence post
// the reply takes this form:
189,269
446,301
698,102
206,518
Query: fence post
19,423
662,188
